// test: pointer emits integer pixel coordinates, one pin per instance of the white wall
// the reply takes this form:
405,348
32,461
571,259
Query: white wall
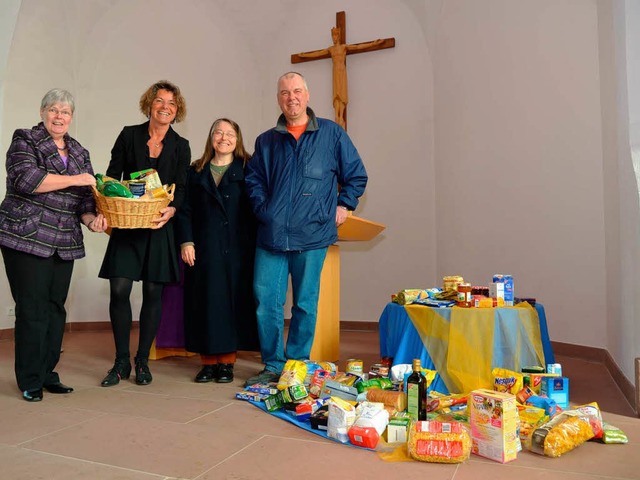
486,132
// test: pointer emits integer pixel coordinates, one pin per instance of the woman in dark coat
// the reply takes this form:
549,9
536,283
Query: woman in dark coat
149,255
216,231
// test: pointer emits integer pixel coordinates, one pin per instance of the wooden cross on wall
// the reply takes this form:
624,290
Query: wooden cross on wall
338,53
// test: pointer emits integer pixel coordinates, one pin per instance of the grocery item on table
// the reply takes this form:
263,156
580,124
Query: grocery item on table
502,287
464,295
564,432
451,282
405,297
439,442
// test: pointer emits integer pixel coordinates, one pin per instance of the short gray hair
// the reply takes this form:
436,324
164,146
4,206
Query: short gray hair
57,95
291,75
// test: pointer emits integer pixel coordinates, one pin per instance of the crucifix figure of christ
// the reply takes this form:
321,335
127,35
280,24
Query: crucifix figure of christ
338,53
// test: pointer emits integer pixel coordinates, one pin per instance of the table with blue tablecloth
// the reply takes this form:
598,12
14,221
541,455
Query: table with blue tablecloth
464,344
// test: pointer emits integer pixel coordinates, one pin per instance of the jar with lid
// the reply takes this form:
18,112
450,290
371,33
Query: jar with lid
464,295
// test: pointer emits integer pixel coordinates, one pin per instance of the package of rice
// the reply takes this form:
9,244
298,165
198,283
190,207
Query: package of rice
439,442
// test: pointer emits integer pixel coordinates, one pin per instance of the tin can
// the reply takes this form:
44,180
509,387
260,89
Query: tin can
355,366
137,187
378,370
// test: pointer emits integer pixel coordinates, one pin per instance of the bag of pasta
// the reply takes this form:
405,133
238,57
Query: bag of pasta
439,442
564,432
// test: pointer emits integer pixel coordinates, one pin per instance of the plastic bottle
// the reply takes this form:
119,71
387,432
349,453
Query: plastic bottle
417,393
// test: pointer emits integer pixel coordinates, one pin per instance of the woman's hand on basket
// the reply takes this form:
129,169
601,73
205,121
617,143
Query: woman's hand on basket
165,215
98,224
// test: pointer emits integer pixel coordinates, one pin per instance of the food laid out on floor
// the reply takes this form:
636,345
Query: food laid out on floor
393,409
400,411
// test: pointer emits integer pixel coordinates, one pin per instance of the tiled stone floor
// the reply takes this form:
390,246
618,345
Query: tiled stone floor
175,428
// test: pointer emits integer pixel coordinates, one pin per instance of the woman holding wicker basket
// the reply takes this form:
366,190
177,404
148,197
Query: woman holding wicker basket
145,254
48,197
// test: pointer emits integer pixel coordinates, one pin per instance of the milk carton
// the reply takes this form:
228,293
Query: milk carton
502,287
493,417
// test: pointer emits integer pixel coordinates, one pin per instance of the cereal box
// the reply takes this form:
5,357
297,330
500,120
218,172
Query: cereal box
493,417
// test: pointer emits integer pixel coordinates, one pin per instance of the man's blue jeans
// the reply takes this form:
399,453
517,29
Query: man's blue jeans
272,270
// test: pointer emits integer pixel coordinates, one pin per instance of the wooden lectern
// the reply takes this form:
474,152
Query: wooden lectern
326,343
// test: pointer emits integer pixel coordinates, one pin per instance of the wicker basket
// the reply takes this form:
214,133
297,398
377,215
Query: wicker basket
131,212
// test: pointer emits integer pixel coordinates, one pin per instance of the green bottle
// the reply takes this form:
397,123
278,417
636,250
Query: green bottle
417,393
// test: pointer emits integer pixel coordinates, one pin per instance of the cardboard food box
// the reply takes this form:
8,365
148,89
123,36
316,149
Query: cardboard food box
397,429
320,418
336,389
493,417
556,388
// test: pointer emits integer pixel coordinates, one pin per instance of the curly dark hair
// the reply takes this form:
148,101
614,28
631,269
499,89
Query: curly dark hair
147,98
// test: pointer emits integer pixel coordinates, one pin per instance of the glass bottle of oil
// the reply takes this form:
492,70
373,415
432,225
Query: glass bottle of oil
417,393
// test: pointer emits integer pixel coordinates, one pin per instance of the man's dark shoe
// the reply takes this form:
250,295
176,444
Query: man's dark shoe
264,377
225,373
208,373
121,371
58,387
143,374
32,395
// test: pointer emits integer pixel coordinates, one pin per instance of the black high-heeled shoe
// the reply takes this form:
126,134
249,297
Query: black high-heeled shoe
143,374
32,395
121,371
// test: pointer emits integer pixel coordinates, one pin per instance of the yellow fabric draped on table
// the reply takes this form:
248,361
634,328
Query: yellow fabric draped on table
465,344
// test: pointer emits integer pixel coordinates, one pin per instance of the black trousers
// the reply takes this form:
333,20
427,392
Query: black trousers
39,287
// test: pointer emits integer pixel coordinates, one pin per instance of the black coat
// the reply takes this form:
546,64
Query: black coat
143,253
219,307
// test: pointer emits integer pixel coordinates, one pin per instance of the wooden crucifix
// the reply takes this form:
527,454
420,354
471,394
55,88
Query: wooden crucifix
338,53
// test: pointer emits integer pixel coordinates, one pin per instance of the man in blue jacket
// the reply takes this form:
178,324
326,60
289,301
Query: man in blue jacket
304,178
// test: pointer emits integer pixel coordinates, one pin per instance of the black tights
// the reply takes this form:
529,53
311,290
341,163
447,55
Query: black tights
121,317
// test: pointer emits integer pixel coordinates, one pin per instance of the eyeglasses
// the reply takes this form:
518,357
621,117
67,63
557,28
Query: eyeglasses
221,134
64,113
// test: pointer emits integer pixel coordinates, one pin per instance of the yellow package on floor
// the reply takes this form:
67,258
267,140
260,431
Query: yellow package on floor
439,442
561,434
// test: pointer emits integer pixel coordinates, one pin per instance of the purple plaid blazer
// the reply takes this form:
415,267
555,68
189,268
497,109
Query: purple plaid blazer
44,223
